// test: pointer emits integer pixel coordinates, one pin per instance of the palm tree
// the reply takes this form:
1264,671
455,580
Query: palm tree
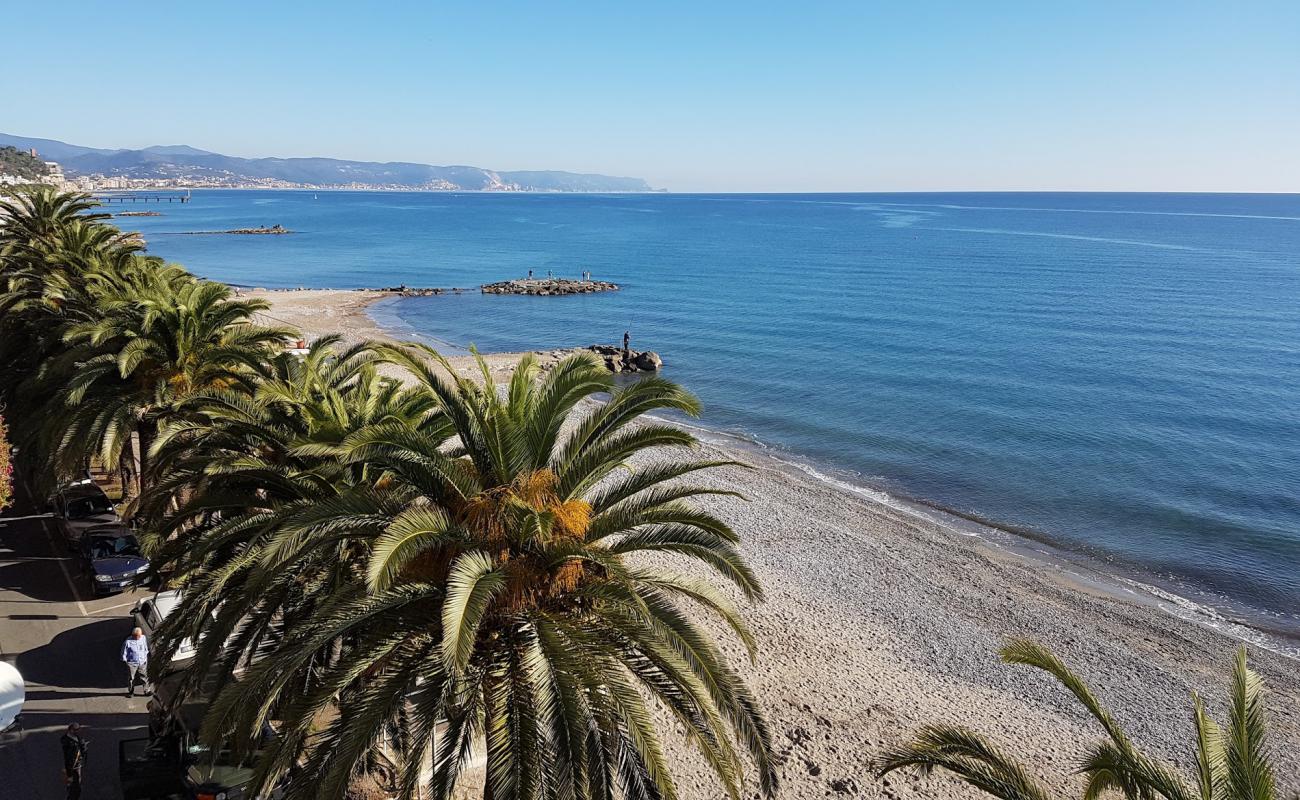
49,249
34,217
505,600
232,467
1231,765
159,338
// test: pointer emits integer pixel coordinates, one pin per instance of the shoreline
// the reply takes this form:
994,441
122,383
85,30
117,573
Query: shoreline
909,609
1086,570
1123,580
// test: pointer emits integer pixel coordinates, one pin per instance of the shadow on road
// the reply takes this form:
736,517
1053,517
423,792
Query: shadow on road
85,657
31,758
40,580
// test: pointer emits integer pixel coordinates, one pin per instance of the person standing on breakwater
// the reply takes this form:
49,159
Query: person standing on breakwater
627,352
530,274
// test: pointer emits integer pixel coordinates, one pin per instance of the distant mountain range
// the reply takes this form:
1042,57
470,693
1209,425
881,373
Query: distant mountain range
182,162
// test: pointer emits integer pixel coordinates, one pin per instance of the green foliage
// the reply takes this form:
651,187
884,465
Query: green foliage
21,164
387,567
115,338
1232,764
466,574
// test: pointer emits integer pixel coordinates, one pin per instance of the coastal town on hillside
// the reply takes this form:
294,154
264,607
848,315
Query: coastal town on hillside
86,169
54,175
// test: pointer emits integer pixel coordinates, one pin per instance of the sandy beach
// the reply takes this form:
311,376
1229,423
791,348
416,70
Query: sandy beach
878,620
318,312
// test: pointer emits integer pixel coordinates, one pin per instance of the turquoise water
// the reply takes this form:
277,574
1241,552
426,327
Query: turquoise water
1117,373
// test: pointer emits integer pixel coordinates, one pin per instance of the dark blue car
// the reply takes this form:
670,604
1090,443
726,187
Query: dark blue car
112,556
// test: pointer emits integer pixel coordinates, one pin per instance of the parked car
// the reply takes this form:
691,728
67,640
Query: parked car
79,507
149,615
173,761
112,557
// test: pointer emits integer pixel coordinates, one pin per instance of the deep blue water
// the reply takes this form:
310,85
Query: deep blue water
1117,372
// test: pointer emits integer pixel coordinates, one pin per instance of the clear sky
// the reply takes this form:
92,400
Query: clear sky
692,96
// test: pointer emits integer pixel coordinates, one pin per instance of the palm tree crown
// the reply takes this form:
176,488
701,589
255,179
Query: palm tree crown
1231,765
503,600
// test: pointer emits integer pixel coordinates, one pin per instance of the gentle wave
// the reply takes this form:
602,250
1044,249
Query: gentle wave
1121,382
1100,576
1075,237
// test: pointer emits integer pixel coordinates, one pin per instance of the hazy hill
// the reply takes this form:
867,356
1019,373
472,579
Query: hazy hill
183,161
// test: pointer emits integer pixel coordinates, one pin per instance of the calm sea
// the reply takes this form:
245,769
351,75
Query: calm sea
1118,373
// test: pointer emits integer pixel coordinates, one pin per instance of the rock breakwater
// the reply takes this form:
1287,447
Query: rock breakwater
619,360
548,286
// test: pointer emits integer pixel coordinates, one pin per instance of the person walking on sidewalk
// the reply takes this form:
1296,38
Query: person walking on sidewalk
135,653
74,758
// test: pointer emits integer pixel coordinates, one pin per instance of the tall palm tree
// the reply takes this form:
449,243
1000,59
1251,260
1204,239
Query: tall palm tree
160,337
505,601
1232,764
50,248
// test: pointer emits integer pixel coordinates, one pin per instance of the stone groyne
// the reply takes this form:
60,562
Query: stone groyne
274,230
619,360
548,286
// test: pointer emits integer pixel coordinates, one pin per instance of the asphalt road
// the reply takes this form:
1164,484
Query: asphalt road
66,643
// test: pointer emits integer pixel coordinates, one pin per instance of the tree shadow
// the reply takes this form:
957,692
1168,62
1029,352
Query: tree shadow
31,758
84,657
35,571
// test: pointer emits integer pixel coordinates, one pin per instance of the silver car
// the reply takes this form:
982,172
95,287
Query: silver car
149,614
79,508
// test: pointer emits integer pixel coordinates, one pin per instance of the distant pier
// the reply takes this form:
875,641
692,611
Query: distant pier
141,197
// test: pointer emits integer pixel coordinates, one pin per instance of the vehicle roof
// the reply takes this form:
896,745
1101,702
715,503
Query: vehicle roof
165,602
190,712
106,531
84,490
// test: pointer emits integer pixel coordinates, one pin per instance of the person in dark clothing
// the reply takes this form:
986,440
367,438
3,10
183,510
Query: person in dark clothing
74,758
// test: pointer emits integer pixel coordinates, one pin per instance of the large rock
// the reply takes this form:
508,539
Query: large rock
613,356
649,361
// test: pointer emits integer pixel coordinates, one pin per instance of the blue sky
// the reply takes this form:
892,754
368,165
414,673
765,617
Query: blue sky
693,96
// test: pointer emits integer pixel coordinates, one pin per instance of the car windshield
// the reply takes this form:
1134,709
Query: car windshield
88,506
114,547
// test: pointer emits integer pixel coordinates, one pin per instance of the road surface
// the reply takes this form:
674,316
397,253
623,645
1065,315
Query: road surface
66,644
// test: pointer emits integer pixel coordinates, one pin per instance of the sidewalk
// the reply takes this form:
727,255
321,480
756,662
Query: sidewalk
65,643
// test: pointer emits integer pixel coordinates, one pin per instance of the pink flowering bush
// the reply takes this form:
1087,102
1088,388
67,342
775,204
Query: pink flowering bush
6,468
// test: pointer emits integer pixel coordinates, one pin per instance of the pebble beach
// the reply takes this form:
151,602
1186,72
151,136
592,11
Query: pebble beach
878,620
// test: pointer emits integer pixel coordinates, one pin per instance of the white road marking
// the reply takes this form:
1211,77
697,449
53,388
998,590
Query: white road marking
119,605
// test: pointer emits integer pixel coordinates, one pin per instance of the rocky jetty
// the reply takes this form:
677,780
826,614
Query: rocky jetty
138,214
548,286
271,231
618,360
419,291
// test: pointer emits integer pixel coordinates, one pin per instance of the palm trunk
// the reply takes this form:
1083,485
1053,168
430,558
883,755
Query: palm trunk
136,460
142,439
489,718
